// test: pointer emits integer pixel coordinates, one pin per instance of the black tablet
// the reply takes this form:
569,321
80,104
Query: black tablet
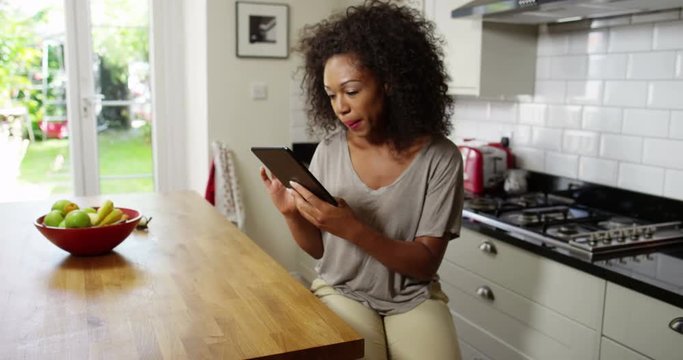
282,163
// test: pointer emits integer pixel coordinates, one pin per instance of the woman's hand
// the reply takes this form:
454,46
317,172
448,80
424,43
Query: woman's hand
282,197
338,220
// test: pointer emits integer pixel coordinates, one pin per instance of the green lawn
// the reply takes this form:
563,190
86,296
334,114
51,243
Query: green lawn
122,153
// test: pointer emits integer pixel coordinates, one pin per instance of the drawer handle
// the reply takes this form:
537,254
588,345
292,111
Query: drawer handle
677,325
485,292
488,247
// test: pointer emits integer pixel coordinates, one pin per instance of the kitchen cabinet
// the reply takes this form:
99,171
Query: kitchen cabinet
509,303
610,350
642,323
485,59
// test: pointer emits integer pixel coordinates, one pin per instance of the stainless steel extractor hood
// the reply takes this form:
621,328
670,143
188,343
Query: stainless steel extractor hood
551,11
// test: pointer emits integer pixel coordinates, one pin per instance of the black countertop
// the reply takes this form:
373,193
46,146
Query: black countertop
657,273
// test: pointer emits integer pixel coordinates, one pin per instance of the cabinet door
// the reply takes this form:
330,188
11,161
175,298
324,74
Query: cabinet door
561,288
642,323
462,50
610,350
524,325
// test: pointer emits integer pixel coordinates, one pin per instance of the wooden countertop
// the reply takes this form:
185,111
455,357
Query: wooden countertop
191,287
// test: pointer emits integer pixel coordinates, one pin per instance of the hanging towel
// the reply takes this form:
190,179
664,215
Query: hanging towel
210,193
227,196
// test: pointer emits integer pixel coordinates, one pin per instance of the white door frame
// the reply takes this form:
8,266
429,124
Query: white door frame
81,100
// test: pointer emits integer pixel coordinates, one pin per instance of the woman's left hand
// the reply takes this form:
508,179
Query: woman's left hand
338,220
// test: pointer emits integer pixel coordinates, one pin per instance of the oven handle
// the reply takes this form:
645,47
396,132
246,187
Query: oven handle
488,247
677,325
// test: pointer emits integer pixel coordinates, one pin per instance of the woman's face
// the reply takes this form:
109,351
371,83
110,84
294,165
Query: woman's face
355,94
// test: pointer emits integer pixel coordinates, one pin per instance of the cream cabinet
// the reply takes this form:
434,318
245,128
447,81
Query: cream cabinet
509,303
610,350
485,59
642,323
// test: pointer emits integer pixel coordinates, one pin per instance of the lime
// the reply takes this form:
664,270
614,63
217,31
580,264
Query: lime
53,218
77,219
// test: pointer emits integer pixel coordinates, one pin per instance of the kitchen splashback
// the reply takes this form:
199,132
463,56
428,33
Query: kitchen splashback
608,109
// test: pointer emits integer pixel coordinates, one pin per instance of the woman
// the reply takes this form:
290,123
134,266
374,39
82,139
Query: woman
377,87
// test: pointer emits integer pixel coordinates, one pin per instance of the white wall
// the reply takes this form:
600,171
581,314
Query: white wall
240,122
196,94
608,109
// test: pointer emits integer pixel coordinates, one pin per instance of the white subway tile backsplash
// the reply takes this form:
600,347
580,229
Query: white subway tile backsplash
584,92
618,147
582,42
646,122
672,184
553,44
465,129
602,119
543,68
610,66
546,138
568,67
599,171
652,65
607,107
630,38
580,142
550,91
676,128
565,116
529,158
665,94
668,35
493,131
665,153
471,110
641,178
532,114
503,112
562,164
626,93
521,136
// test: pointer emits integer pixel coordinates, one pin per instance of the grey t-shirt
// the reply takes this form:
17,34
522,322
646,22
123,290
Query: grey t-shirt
425,200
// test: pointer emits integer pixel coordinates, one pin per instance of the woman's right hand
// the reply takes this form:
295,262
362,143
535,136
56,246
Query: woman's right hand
282,198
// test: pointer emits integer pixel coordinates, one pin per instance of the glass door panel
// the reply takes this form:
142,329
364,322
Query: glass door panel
120,61
35,154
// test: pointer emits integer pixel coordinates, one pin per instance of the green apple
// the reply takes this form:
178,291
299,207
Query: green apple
77,219
60,204
62,224
53,218
89,210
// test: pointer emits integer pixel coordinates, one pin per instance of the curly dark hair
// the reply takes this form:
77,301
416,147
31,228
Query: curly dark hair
400,48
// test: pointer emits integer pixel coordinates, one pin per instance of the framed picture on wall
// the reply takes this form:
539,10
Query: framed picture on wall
262,30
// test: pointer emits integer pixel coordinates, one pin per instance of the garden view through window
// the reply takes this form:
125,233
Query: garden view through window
36,123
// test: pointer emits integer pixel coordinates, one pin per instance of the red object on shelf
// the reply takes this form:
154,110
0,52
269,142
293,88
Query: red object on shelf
54,129
93,240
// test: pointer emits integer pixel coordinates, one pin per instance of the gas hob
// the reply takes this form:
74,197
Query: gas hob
560,222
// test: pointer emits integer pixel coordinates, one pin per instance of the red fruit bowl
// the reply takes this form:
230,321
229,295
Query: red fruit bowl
90,241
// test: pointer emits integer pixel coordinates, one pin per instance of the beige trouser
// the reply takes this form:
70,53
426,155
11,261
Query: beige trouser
425,332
